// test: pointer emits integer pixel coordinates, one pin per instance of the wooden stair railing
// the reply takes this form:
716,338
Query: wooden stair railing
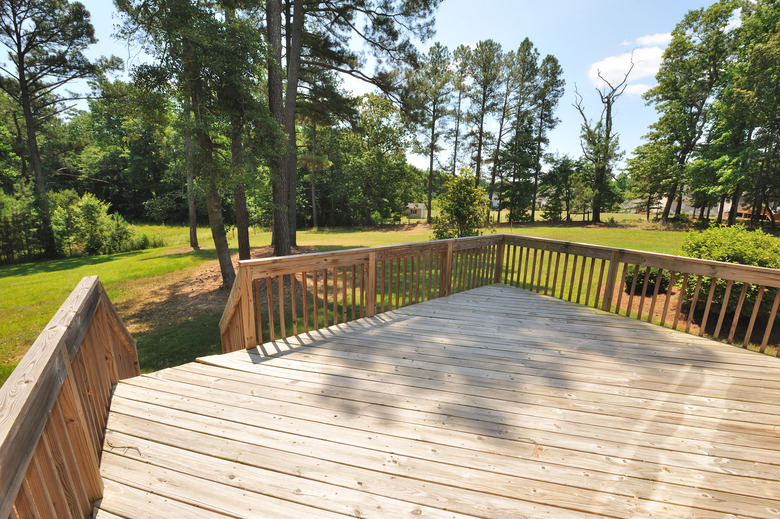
54,407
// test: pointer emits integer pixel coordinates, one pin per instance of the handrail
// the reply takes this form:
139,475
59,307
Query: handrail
277,295
329,287
566,270
54,406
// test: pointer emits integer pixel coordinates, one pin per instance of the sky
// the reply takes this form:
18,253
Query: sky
587,36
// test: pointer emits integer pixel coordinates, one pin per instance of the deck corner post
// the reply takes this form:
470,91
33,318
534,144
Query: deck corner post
247,305
371,288
499,260
446,271
609,288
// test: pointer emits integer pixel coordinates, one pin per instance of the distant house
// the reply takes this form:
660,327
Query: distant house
415,211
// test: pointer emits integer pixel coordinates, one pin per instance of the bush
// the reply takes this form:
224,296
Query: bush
651,281
83,225
733,245
20,228
463,209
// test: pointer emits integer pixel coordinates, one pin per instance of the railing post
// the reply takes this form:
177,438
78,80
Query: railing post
446,272
371,289
499,261
609,288
247,306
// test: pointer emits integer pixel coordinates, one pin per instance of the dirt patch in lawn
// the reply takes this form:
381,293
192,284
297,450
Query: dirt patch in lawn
168,298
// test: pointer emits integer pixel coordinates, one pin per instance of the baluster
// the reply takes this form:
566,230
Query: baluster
672,278
723,307
706,316
753,316
694,302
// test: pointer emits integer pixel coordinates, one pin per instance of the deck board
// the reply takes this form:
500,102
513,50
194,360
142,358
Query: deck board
495,402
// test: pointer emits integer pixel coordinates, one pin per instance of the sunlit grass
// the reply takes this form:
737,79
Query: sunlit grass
32,292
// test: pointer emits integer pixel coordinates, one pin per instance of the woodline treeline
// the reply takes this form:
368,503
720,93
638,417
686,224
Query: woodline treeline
242,119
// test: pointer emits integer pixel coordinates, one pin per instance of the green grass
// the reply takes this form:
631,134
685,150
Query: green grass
32,292
650,240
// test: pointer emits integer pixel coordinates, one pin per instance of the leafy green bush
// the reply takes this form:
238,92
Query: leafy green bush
463,209
84,226
733,245
651,280
20,229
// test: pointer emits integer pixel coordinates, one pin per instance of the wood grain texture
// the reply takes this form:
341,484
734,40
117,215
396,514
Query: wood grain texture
494,402
53,406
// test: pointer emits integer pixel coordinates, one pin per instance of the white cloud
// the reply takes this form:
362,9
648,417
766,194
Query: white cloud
647,61
638,89
650,40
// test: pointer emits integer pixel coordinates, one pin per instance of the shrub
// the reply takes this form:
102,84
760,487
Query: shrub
463,208
651,280
733,245
20,229
83,225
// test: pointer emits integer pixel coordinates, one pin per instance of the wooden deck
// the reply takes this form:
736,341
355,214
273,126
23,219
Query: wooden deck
496,402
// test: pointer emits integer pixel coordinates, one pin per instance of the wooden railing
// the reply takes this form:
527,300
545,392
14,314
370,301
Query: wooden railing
54,406
597,276
276,296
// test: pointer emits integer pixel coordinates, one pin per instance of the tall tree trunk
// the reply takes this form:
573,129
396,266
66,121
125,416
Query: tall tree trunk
293,57
457,132
649,204
496,160
239,192
735,205
771,215
430,163
206,168
668,205
480,138
279,182
678,208
47,232
191,207
599,175
721,207
214,206
538,165
313,201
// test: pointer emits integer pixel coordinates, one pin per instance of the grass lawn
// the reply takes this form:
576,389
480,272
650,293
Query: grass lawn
169,296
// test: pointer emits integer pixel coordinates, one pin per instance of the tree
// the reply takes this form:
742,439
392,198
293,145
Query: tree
517,157
505,113
649,168
463,208
691,72
363,177
318,35
431,87
486,68
207,54
557,185
46,40
599,141
460,75
548,93
126,158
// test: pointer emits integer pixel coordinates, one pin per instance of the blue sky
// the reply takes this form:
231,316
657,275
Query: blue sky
585,36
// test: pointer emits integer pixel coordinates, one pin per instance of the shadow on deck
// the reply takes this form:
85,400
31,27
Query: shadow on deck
494,402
